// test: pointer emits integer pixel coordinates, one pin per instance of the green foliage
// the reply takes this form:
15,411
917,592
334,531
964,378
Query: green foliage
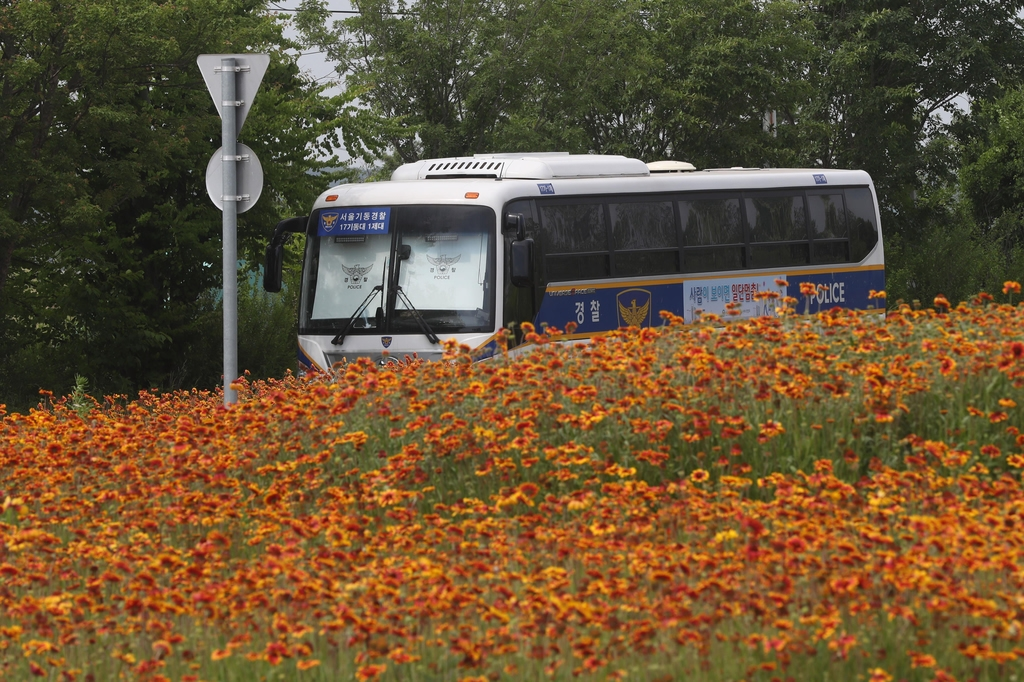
79,401
948,254
992,178
648,79
267,327
434,76
679,79
886,72
867,84
108,242
110,249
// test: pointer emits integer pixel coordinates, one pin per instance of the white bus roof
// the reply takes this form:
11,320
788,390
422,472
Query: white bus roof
499,178
542,166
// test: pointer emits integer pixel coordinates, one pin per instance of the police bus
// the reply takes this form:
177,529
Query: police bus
466,248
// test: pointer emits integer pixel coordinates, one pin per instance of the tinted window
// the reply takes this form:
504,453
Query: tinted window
776,218
707,222
831,251
775,255
524,207
647,225
527,208
827,216
860,211
574,228
646,263
712,259
591,266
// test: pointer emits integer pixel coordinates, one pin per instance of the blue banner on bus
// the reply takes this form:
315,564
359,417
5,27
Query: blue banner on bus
363,220
637,303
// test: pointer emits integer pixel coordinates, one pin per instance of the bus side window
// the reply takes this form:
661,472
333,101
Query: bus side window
830,237
712,234
644,238
778,230
575,241
860,210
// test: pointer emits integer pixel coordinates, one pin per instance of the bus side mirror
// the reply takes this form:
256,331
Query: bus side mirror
516,224
521,262
272,275
272,269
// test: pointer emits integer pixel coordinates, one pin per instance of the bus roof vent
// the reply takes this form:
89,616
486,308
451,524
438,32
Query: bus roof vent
456,167
539,166
670,167
574,166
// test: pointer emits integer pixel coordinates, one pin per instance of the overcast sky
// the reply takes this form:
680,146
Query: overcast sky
312,60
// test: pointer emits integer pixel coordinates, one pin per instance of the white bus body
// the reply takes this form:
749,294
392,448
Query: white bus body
391,268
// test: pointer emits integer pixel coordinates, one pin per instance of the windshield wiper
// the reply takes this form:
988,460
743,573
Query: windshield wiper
340,338
403,253
424,327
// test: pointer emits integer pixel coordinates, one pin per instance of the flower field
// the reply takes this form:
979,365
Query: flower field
835,496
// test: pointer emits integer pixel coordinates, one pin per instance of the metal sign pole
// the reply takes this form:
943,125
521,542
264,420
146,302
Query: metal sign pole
232,187
229,136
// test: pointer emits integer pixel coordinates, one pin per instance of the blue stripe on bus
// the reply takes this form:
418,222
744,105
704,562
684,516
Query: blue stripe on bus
596,308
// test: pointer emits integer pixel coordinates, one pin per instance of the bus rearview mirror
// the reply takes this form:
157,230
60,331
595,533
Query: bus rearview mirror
521,262
275,251
515,223
272,268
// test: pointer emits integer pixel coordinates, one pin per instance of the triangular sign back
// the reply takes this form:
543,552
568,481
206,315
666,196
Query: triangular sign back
247,82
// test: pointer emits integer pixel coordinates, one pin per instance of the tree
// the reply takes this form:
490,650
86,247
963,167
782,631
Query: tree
435,76
992,177
647,78
679,79
888,76
107,239
868,84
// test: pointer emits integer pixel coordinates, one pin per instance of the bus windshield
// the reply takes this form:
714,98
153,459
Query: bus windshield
402,266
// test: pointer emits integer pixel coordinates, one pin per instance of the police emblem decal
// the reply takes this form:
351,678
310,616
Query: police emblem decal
356,273
386,341
443,265
634,307
328,219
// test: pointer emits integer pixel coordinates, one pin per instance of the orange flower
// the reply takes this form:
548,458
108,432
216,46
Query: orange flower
1011,287
699,476
946,364
370,672
879,675
769,430
357,438
919,660
941,302
161,648
991,450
